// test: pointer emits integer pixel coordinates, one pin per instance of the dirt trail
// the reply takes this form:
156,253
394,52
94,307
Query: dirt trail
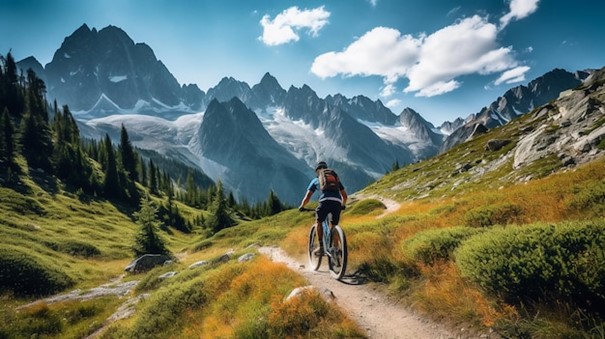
391,205
375,313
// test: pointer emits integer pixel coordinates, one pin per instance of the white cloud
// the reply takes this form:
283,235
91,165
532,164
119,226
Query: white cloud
432,63
512,75
467,47
373,2
285,26
393,103
381,51
519,9
438,88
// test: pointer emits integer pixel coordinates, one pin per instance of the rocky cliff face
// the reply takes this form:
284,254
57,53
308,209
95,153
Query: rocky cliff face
572,127
514,103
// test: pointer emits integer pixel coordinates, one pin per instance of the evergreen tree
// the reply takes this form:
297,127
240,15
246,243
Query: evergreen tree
111,184
395,166
153,179
128,156
36,139
9,86
7,141
148,241
220,217
143,172
274,205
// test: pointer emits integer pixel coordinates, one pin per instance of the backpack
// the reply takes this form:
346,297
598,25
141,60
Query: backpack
328,180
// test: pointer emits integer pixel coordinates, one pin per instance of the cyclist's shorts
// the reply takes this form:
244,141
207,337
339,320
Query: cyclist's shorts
326,207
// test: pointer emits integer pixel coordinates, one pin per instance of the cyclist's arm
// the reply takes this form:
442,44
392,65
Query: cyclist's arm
306,199
344,196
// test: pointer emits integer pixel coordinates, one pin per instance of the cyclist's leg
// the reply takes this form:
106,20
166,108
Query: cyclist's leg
334,211
321,212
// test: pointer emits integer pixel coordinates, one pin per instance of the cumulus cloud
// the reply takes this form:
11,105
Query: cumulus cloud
519,9
393,103
381,51
285,27
432,63
512,75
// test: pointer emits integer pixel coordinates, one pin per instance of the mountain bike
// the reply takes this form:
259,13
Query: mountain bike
335,248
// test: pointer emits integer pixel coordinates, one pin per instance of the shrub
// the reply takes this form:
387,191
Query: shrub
589,197
500,214
367,206
24,275
436,244
539,261
166,306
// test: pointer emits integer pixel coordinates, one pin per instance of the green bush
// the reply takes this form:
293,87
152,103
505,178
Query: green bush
590,197
500,214
436,244
24,275
539,262
366,206
161,313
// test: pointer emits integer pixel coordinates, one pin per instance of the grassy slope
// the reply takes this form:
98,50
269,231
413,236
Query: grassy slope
47,223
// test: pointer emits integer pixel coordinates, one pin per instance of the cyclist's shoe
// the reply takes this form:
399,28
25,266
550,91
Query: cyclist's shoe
318,252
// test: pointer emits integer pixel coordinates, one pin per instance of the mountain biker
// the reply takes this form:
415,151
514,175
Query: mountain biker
330,201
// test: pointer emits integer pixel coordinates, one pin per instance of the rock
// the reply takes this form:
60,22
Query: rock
198,264
225,257
167,275
327,294
168,262
146,262
246,257
479,129
496,144
568,161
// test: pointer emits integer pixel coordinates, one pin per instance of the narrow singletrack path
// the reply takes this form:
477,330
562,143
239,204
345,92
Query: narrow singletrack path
374,312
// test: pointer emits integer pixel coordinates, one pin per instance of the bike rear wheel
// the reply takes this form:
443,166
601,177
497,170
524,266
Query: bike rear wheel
337,261
314,261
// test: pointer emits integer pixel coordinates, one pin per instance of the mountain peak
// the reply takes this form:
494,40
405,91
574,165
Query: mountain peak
268,78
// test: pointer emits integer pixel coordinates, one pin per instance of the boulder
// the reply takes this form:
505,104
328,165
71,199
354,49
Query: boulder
327,294
146,262
198,264
246,257
167,275
496,144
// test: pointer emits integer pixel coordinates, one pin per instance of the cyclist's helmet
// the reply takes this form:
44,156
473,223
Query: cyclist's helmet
321,165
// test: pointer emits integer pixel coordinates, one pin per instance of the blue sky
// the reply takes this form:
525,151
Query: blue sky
443,58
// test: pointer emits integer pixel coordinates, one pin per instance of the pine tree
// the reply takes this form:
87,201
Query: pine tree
220,217
153,179
147,240
13,94
36,139
111,184
7,141
143,172
128,156
274,205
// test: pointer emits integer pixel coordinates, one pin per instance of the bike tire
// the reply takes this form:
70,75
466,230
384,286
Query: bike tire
314,262
341,254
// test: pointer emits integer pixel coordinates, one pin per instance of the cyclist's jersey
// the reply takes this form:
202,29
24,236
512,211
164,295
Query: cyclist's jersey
325,195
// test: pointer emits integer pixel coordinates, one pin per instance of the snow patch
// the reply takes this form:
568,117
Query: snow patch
118,78
66,56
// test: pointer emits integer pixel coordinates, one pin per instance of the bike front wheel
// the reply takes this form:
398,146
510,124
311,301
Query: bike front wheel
314,260
338,253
